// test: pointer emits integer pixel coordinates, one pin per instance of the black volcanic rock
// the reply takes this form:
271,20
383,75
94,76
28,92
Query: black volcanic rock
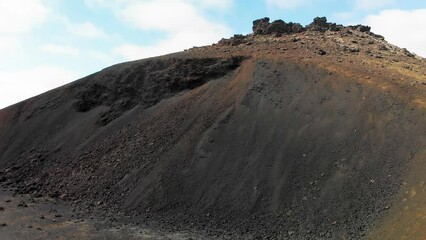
320,24
260,26
148,85
361,28
277,27
236,40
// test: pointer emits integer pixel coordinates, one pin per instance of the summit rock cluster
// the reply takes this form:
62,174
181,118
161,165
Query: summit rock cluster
279,27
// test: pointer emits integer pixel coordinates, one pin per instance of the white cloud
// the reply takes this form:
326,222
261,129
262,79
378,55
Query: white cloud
19,85
372,4
21,16
288,4
183,21
221,4
405,29
101,3
9,44
60,50
170,16
86,30
175,43
114,4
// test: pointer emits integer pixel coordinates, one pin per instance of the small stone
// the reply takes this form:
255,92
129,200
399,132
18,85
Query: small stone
22,204
321,52
383,48
295,39
354,49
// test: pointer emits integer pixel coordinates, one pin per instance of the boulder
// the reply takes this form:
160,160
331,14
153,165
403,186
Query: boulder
319,24
361,28
260,26
278,27
236,40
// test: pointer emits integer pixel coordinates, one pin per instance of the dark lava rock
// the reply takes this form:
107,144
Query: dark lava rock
320,24
380,37
321,52
260,26
236,40
278,27
22,204
408,53
361,28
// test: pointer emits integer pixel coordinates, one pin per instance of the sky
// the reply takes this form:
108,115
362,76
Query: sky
47,43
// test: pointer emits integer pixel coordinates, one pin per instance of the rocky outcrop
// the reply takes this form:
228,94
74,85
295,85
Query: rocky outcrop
236,40
320,24
278,27
361,28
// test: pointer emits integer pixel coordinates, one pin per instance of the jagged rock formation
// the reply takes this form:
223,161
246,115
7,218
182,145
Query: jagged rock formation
291,132
277,27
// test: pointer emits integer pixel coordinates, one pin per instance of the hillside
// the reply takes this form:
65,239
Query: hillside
291,132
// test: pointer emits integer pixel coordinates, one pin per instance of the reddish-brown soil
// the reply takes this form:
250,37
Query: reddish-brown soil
308,135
